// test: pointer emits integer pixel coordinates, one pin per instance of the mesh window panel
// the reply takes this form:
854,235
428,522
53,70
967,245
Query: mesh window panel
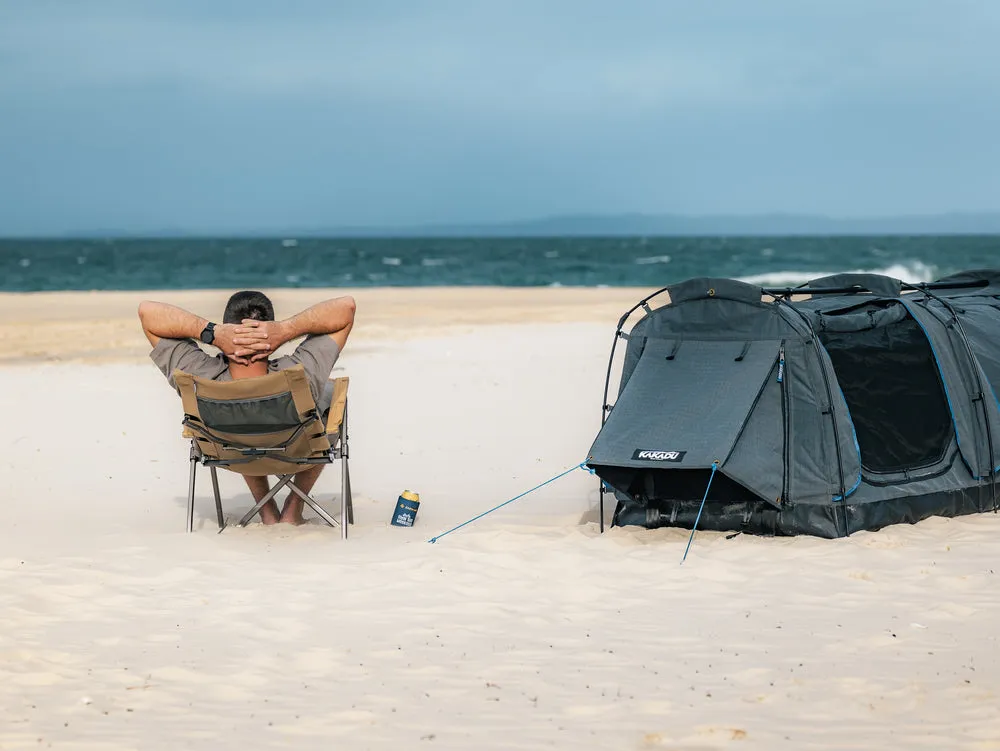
893,390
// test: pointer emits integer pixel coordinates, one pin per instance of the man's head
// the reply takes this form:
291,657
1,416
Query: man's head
248,304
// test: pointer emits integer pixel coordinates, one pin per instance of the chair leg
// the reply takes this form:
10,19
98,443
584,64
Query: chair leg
190,507
308,500
346,490
284,480
218,498
346,502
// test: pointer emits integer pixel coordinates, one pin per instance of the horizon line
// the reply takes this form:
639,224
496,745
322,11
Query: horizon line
547,226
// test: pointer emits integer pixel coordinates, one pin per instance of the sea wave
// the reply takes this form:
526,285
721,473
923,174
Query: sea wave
910,271
179,263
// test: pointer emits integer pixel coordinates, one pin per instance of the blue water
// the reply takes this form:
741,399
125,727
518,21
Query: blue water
32,265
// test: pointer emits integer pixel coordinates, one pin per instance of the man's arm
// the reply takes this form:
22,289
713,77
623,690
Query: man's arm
163,321
334,318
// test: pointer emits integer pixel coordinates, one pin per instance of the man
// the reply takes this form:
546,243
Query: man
247,336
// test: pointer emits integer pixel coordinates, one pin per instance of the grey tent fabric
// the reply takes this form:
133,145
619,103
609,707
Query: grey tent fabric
853,402
701,432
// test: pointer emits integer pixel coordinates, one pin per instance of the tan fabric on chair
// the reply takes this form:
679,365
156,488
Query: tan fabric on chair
312,442
337,406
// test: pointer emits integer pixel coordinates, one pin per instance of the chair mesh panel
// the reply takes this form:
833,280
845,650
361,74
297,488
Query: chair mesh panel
268,414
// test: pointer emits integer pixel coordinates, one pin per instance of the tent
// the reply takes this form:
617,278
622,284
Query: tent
853,402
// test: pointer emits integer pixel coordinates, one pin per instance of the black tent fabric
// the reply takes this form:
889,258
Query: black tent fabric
853,402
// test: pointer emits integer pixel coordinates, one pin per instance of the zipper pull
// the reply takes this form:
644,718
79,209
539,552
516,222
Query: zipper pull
781,363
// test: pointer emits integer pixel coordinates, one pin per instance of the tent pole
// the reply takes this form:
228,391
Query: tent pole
777,292
605,407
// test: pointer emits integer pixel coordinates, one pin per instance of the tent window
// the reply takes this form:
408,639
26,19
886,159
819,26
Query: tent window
894,393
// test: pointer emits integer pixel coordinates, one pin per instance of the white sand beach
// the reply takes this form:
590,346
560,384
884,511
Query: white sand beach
528,629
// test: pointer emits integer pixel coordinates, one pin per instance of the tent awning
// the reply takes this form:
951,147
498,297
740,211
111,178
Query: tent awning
684,404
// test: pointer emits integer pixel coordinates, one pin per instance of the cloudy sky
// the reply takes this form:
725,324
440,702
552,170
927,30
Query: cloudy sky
229,115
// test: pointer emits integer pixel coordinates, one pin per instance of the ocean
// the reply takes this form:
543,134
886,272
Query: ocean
127,264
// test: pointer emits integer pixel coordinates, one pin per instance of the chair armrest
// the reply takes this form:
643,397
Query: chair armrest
338,405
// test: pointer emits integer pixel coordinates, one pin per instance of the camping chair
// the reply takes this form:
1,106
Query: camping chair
267,425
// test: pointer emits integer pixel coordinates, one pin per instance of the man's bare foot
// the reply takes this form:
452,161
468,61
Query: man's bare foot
292,512
269,513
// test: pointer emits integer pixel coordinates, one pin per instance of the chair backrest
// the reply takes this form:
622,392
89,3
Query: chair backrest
255,426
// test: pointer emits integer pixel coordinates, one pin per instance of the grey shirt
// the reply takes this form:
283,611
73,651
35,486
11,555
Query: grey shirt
317,355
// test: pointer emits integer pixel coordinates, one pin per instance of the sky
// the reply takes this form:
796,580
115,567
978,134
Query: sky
244,115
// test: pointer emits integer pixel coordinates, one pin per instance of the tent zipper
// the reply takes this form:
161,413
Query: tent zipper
784,422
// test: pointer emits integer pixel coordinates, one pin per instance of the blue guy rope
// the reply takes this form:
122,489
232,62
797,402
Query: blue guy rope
499,506
715,466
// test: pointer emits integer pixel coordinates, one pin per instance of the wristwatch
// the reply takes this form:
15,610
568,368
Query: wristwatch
208,333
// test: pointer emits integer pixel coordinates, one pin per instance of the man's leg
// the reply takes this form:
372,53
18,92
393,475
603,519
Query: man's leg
291,512
259,487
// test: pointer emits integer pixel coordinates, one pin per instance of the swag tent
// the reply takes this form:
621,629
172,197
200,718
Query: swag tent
853,402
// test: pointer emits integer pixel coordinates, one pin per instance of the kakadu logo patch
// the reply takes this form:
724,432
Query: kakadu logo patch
651,455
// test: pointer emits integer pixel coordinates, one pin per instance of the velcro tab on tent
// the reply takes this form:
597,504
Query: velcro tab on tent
875,283
706,288
685,412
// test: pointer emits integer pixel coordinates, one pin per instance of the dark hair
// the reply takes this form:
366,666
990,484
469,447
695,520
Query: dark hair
248,304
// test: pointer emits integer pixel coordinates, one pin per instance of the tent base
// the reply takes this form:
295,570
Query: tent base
827,521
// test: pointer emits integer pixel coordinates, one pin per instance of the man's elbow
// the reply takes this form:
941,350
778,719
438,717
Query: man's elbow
345,309
144,310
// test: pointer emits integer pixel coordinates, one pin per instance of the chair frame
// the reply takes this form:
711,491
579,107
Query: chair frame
339,449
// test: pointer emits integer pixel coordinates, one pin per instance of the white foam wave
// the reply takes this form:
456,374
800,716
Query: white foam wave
290,243
433,261
652,259
912,271
551,253
392,261
24,263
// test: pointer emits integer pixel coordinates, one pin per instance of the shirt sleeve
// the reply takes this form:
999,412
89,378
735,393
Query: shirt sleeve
317,354
183,354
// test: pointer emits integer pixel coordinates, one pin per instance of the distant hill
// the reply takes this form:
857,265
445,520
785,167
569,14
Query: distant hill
614,225
678,225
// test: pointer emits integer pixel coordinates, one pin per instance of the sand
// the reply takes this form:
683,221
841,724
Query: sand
528,629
